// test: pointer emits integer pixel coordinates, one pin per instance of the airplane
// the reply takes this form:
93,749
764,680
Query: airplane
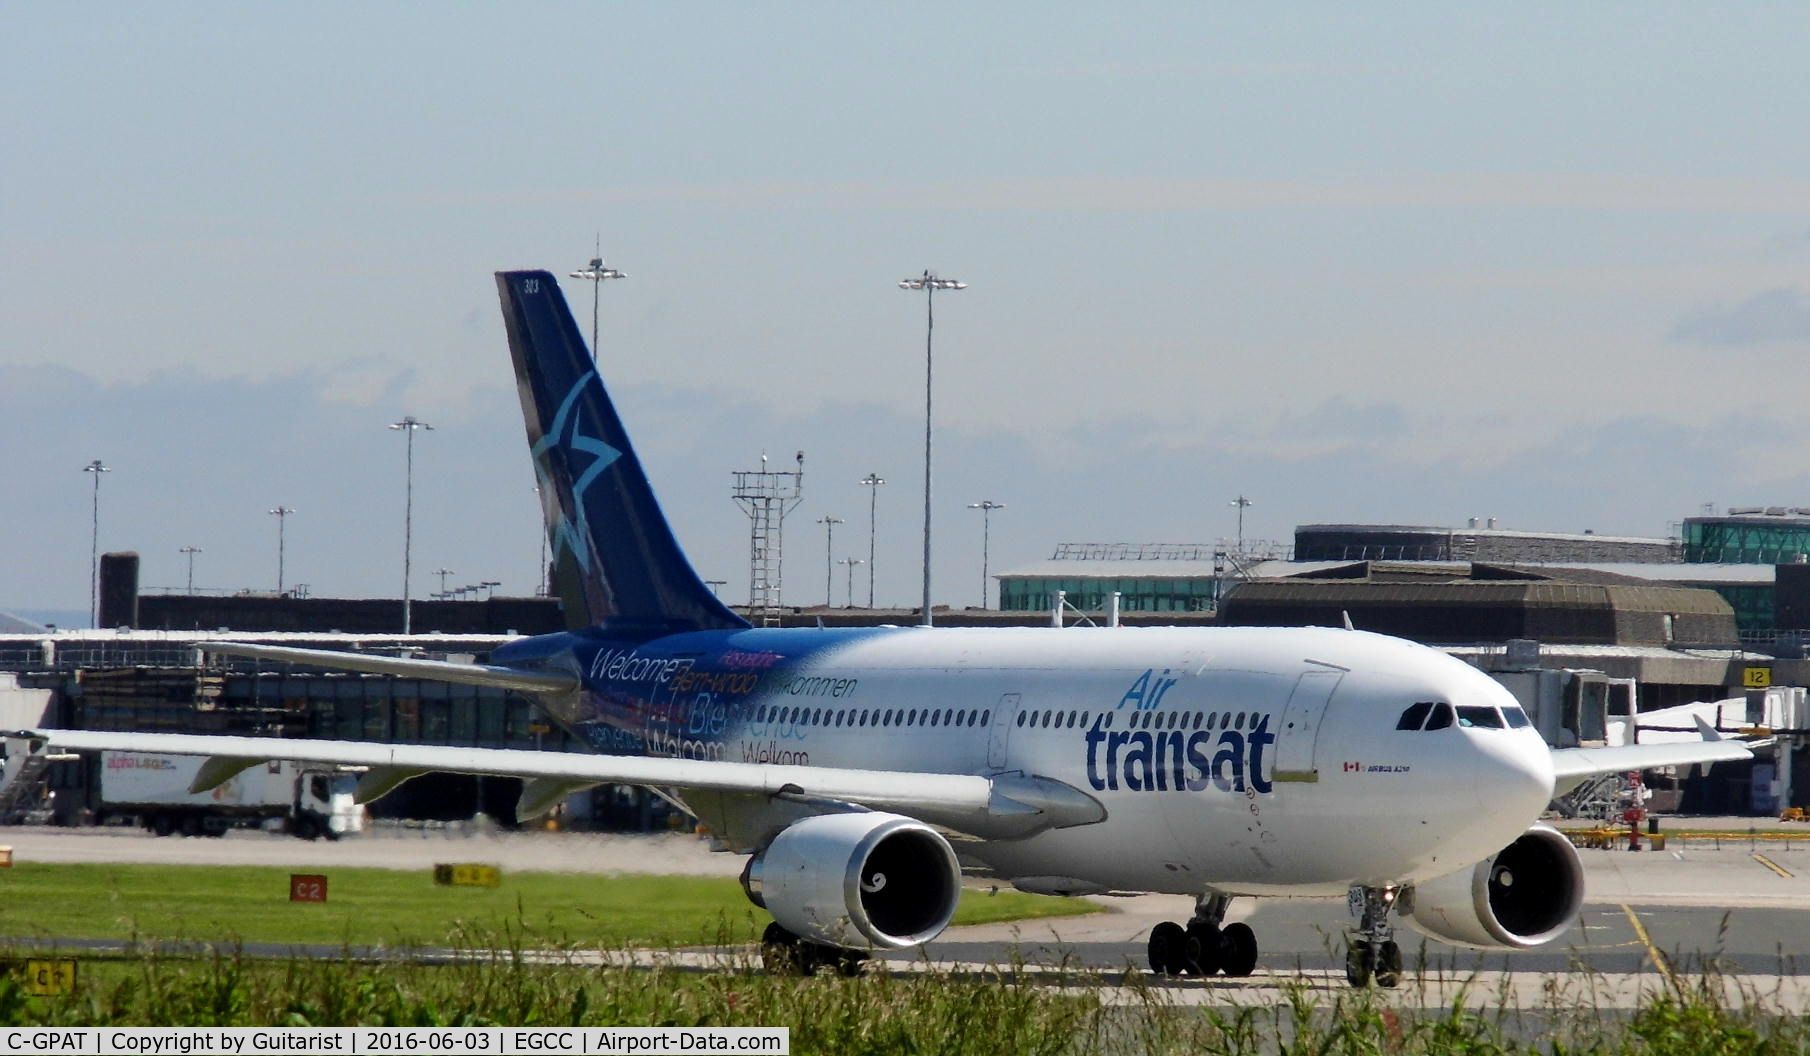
866,770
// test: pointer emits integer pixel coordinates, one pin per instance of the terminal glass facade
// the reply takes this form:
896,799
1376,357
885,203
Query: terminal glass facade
1090,594
1746,540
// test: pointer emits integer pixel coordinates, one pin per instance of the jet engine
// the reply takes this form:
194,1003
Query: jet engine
858,881
1524,895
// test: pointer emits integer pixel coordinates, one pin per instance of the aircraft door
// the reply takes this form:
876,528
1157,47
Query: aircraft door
1296,740
1001,730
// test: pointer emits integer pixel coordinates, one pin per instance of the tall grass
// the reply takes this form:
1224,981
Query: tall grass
1011,1009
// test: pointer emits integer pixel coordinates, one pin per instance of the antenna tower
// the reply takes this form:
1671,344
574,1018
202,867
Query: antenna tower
767,496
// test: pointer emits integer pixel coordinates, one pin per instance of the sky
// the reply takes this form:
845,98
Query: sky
1400,262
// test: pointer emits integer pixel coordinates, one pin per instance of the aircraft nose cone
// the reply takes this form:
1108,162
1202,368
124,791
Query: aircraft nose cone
1515,778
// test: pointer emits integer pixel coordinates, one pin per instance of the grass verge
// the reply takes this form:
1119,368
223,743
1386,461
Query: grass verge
370,907
1005,1010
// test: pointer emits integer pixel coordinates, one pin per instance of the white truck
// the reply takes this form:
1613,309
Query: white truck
153,790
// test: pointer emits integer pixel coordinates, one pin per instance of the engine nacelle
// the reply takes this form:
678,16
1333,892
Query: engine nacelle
858,881
1524,895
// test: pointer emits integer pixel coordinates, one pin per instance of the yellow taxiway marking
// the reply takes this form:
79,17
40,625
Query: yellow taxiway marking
1658,958
1772,865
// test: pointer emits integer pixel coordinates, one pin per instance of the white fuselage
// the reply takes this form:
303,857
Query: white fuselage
1237,760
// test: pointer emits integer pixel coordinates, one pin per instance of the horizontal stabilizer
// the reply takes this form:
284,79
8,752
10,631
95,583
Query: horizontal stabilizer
438,670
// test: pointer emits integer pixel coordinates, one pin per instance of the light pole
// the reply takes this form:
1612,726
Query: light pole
829,545
872,482
96,467
281,513
1241,502
929,283
596,273
490,586
408,426
191,551
443,573
986,508
851,562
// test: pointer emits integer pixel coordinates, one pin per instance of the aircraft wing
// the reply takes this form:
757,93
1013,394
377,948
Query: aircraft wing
1571,764
553,774
465,674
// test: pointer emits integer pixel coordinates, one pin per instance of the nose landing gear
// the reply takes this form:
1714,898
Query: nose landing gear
1206,945
1371,955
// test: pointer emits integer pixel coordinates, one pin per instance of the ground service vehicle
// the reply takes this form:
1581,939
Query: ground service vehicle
152,788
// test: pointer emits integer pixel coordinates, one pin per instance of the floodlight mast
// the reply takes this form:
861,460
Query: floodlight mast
929,283
191,551
408,426
96,467
281,513
1243,504
986,508
596,273
829,545
872,482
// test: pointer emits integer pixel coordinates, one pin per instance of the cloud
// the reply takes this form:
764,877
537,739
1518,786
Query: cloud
1774,315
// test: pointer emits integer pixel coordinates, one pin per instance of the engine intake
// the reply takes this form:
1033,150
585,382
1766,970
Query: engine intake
859,881
1526,894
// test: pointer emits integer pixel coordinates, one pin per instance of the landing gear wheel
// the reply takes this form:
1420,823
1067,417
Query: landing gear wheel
1373,956
161,825
1240,944
1168,948
1357,963
781,952
191,825
1206,949
849,962
1388,966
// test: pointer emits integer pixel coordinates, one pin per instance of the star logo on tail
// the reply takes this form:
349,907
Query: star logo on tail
565,436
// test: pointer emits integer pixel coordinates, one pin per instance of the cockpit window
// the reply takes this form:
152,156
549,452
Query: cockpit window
1479,716
1442,717
1516,717
1414,717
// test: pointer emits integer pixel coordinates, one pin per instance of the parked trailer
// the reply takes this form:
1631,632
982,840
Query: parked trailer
153,791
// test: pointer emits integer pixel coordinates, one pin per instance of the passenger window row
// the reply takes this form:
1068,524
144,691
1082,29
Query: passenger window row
1142,720
858,717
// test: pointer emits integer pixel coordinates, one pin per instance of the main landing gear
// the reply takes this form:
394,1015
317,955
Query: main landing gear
1206,945
783,953
1371,955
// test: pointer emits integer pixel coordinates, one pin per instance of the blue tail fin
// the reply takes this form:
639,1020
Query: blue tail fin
616,563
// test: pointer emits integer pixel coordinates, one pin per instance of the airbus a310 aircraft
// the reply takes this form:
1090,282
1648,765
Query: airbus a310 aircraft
865,769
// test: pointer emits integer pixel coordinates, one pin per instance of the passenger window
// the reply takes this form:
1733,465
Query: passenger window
1240,723
986,716
1414,717
1021,718
1479,716
1442,717
1516,718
